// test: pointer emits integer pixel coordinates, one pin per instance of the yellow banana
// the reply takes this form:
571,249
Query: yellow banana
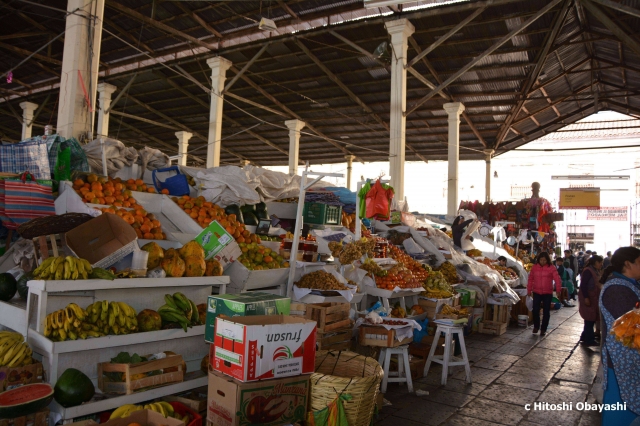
159,408
54,265
120,411
63,334
168,407
87,266
59,272
17,359
77,310
66,267
9,354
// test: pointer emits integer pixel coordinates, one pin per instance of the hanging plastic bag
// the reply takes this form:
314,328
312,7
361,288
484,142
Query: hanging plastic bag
362,197
62,169
378,202
529,302
332,415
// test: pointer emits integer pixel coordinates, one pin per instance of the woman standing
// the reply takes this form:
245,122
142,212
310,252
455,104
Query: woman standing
621,374
587,295
457,230
542,277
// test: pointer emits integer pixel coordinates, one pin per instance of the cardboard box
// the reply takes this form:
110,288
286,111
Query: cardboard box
218,244
103,241
36,419
264,347
11,378
195,399
268,402
144,418
242,305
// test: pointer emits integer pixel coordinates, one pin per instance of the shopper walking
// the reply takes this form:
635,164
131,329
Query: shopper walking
619,295
573,265
542,278
588,294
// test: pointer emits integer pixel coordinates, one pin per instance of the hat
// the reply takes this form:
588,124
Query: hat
588,251
580,253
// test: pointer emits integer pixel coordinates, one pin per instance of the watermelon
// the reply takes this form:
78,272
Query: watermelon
23,289
250,219
8,286
73,388
27,399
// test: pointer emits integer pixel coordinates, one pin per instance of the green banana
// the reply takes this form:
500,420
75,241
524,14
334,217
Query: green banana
171,317
170,301
165,308
182,301
195,317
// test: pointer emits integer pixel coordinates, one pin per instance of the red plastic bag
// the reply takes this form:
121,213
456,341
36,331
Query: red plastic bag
379,201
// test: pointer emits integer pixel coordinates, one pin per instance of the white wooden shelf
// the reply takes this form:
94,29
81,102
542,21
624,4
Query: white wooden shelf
314,298
126,283
37,340
13,314
89,408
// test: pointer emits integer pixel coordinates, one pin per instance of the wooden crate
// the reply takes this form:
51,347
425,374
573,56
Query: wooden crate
497,313
337,340
491,327
298,310
34,419
129,386
370,335
47,246
329,316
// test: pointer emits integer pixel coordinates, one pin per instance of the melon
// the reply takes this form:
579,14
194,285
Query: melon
27,399
73,388
8,286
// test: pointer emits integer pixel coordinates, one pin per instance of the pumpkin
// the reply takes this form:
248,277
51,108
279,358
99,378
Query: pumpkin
192,248
195,266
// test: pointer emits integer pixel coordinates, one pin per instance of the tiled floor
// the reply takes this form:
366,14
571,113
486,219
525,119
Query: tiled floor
508,372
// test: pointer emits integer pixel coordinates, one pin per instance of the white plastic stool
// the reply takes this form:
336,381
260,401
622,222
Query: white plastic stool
404,371
448,360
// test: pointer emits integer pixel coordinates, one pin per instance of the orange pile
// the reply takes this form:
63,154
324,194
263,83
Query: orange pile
205,212
410,263
100,190
145,224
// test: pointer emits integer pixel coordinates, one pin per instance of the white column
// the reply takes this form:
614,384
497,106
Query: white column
105,90
487,186
400,30
350,159
183,145
219,67
27,118
80,62
454,109
294,143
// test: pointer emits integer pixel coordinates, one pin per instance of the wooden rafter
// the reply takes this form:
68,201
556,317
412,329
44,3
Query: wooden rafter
198,19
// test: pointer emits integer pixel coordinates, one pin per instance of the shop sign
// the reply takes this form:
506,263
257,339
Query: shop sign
608,213
579,198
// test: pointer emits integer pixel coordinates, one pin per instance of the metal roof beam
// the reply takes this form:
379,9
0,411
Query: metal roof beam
486,53
612,26
27,53
127,34
198,19
533,76
122,92
246,67
547,107
619,7
157,24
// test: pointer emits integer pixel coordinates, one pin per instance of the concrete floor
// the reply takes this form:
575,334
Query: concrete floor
508,372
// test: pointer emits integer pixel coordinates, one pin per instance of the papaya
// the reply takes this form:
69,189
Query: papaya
194,266
192,248
213,268
173,266
156,254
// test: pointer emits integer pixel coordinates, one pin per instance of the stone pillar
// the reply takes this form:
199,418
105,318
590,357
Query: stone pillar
487,186
219,67
80,62
105,90
27,118
183,145
350,159
454,109
294,143
400,30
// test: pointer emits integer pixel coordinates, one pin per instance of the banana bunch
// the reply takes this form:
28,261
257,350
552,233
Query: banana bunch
102,274
67,324
63,268
178,308
161,407
14,351
449,310
111,318
436,294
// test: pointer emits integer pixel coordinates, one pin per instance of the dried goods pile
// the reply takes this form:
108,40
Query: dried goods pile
350,252
449,310
449,272
321,280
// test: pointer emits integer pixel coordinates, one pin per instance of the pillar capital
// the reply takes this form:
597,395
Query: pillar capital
295,125
106,89
488,153
399,29
350,158
454,108
28,106
219,64
183,137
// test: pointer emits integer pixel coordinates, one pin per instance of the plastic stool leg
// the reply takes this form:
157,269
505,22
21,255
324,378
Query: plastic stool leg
387,359
431,352
400,365
381,357
407,368
447,357
465,358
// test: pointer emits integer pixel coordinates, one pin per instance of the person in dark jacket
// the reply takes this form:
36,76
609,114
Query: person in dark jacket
573,265
588,294
457,229
607,260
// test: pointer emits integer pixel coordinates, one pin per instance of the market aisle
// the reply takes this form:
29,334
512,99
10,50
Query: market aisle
509,371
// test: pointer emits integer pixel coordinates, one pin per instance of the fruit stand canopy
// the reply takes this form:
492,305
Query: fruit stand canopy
579,57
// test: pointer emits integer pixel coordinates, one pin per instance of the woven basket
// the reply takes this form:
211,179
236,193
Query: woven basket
348,373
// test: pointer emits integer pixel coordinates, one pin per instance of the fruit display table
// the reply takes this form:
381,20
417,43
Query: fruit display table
13,315
386,295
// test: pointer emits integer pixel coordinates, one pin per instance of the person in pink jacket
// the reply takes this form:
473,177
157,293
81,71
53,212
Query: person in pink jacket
542,277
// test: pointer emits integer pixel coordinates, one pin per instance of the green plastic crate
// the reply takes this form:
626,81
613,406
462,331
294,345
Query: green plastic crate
322,214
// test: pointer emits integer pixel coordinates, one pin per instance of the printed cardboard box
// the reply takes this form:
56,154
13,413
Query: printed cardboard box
266,403
218,244
264,347
242,305
14,377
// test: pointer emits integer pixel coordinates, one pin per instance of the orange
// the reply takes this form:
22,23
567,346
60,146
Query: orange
118,187
139,182
181,201
92,178
109,200
186,197
165,191
138,233
139,219
107,193
230,229
145,228
128,218
89,196
193,214
148,236
84,191
126,204
117,203
132,200
101,200
99,194
131,181
232,217
140,212
158,236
